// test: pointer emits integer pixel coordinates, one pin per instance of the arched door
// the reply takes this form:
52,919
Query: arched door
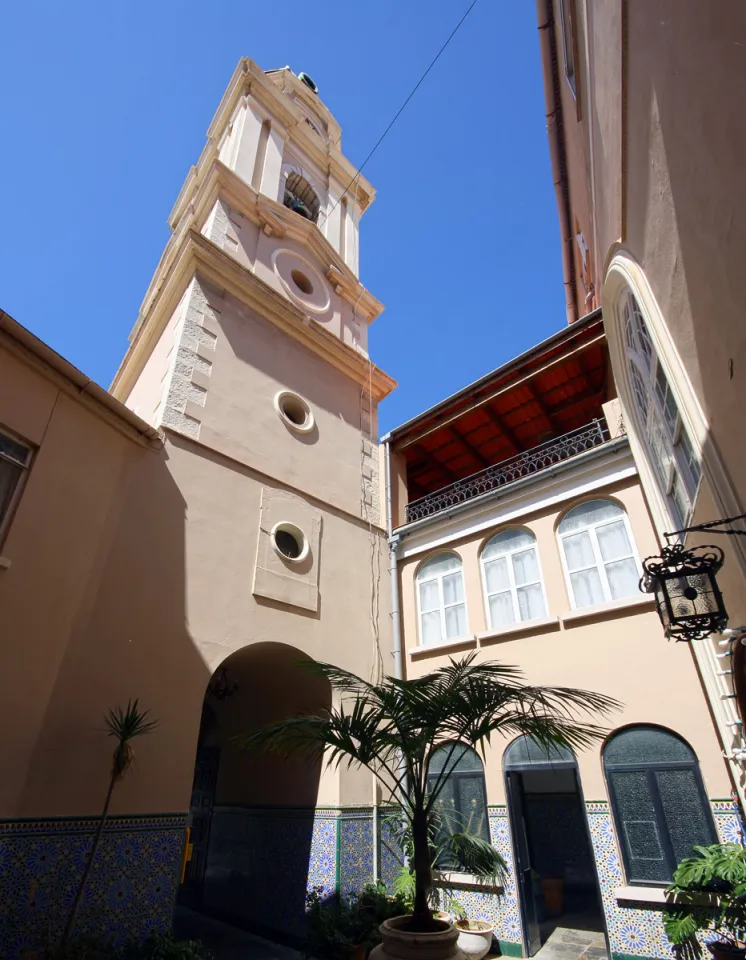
555,870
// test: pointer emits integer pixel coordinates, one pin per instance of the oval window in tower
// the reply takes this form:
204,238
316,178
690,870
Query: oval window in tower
290,542
303,282
294,411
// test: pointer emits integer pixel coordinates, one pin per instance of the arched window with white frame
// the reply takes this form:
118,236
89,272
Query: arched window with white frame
441,601
672,454
598,552
512,579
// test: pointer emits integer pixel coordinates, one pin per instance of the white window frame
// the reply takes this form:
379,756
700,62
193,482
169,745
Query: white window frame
597,555
572,78
508,554
7,514
441,597
643,369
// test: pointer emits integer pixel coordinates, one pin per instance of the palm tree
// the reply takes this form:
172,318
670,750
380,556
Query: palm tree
125,725
393,726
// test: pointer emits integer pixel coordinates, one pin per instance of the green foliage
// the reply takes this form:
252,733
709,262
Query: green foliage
718,870
125,725
337,925
164,946
82,948
392,727
158,946
470,853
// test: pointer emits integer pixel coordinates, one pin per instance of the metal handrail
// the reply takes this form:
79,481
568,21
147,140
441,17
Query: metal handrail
508,471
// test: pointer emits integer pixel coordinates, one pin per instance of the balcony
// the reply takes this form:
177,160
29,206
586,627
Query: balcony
531,461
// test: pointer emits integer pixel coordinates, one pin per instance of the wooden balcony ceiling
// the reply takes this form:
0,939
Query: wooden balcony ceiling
518,406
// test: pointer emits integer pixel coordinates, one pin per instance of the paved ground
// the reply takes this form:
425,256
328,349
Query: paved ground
226,942
567,943
231,943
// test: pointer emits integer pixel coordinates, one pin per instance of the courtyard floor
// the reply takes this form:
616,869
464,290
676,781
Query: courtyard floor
226,942
569,943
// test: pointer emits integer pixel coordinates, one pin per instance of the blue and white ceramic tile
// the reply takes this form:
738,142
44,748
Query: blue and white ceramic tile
390,856
635,930
322,867
130,891
501,911
355,851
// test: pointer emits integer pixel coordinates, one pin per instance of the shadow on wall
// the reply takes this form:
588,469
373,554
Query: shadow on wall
253,813
129,640
686,207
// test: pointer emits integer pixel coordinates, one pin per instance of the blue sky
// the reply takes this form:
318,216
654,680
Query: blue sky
105,107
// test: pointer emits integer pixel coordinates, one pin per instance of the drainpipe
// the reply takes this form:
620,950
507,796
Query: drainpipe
544,9
393,571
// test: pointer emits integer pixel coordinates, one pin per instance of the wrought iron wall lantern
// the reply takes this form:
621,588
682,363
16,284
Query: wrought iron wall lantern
684,582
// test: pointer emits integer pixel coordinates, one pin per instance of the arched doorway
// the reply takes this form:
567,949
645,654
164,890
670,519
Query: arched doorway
555,870
251,815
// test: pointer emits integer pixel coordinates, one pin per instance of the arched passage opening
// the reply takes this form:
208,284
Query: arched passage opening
555,870
251,814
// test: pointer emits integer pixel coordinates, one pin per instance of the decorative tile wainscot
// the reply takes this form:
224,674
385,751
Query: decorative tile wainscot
131,889
636,929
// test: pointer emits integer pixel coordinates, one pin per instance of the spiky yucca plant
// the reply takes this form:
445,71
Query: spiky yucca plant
124,726
392,728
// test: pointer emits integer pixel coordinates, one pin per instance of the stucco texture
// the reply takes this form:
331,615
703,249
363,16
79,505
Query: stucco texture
621,653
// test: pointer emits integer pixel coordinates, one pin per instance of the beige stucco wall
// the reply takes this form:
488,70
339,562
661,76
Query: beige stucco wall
621,653
149,392
253,249
59,536
665,157
131,575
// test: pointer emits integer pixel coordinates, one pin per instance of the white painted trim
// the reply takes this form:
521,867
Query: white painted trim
624,272
457,644
510,504
441,597
308,423
525,626
513,587
659,895
295,531
295,293
600,609
597,555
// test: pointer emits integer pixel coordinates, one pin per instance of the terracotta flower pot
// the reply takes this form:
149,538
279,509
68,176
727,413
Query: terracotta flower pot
722,950
553,891
474,938
401,944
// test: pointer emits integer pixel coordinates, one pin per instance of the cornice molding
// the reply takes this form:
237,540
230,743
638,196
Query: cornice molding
220,182
195,254
249,80
16,340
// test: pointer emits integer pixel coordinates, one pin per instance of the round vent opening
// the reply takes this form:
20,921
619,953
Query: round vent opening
290,542
294,411
302,282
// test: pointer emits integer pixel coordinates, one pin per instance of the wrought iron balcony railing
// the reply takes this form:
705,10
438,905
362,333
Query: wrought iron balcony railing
530,461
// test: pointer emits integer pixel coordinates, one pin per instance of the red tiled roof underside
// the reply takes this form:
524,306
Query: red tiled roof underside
541,405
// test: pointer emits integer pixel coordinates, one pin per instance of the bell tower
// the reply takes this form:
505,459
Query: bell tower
256,303
250,354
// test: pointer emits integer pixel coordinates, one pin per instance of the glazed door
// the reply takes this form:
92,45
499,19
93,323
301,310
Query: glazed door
200,809
526,898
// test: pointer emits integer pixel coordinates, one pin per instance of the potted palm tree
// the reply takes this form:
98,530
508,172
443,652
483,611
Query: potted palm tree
708,897
466,852
393,726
